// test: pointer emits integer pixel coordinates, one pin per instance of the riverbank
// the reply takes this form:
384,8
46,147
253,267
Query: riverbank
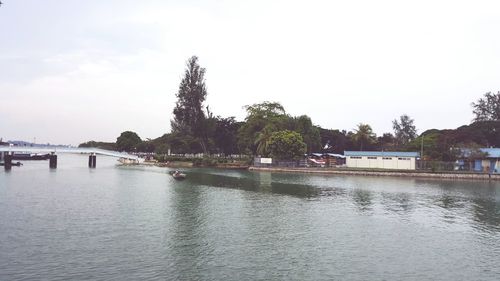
187,164
390,173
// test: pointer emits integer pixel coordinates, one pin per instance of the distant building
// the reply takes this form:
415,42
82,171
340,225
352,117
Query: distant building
396,160
481,160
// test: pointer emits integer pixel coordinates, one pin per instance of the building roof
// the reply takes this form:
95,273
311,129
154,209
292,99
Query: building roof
335,155
492,152
382,153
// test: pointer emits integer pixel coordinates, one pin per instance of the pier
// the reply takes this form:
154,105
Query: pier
7,152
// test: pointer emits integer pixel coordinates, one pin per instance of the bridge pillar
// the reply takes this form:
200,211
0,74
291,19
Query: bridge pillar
7,162
92,160
53,161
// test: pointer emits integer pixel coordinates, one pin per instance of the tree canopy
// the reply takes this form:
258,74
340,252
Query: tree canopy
487,108
286,145
128,141
189,117
404,130
364,136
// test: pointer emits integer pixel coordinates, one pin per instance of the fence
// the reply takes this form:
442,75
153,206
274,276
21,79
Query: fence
436,166
431,166
302,163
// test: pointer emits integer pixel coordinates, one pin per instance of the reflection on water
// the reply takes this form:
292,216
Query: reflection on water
399,203
137,223
363,199
477,199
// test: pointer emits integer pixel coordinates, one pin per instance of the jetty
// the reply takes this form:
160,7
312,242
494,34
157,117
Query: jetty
7,152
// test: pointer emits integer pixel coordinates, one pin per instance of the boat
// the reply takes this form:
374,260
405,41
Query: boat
178,175
17,164
30,156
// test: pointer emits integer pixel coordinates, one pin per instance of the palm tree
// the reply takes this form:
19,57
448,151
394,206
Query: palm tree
364,135
262,140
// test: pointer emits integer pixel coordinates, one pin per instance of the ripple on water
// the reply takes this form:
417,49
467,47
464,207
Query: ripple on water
131,223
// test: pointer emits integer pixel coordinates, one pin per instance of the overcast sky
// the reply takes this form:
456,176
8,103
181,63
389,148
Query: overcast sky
73,70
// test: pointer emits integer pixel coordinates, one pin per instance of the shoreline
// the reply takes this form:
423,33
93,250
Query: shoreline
392,173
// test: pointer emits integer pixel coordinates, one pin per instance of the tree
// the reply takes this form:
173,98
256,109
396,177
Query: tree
286,145
99,144
335,141
265,110
146,146
310,133
225,136
260,115
386,141
189,118
263,140
364,136
487,108
404,130
127,141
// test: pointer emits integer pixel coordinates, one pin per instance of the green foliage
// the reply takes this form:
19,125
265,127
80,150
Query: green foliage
99,144
146,146
335,141
189,118
364,136
441,144
263,139
487,108
286,145
404,130
225,136
265,118
386,142
128,141
265,110
267,114
310,133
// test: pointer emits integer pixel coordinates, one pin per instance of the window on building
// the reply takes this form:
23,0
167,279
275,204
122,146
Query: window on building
404,158
387,158
355,157
372,157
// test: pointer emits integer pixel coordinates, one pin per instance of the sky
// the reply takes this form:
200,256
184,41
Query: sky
73,70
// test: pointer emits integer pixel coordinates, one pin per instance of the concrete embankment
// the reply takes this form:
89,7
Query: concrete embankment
392,173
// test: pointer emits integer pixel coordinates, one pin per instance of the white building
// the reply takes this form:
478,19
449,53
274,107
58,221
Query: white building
381,159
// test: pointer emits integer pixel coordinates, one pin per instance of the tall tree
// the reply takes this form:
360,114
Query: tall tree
404,130
364,136
189,117
487,108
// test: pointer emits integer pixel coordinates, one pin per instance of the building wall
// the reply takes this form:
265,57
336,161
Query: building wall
487,165
378,162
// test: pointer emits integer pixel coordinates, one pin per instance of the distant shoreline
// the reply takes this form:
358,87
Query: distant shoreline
391,173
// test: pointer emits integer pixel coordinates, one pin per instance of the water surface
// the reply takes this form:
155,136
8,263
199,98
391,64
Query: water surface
137,223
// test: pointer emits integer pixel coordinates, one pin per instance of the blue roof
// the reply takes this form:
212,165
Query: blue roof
492,152
382,153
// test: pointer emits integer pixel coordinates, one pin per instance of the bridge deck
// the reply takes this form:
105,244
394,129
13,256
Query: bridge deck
76,150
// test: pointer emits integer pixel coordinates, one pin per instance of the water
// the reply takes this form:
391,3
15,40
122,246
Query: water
137,223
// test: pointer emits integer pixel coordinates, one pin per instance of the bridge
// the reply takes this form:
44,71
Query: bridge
7,151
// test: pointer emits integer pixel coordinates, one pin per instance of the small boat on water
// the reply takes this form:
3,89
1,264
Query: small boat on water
177,175
17,164
30,156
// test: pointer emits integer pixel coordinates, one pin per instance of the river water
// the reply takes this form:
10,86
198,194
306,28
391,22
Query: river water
137,223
